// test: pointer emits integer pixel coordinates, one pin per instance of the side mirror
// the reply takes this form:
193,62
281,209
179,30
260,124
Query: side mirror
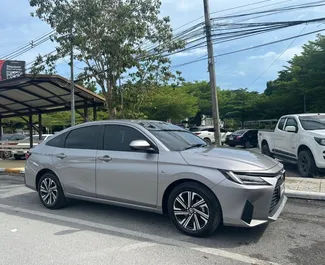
141,145
292,129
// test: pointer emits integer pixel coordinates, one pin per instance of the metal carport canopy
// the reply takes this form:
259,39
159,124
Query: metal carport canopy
38,94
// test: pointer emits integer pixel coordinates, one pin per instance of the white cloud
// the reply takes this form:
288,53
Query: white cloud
291,52
264,56
286,56
196,52
241,73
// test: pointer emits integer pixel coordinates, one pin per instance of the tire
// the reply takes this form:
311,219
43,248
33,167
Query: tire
266,150
49,180
232,145
207,216
208,140
247,144
306,164
6,154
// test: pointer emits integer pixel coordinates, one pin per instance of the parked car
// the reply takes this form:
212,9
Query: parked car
298,139
207,134
245,138
12,137
22,146
7,141
159,167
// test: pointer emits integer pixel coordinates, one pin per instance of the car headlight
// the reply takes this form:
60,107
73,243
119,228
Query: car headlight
320,141
244,179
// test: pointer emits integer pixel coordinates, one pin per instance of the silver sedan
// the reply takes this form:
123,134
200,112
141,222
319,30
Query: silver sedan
156,166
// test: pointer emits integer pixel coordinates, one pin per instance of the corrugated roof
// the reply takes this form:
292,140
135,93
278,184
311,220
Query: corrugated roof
42,94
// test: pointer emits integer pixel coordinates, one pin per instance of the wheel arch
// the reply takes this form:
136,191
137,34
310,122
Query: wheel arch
264,142
303,147
174,184
41,173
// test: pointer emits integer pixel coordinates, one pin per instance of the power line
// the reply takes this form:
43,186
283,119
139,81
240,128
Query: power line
28,46
219,11
290,44
282,9
249,48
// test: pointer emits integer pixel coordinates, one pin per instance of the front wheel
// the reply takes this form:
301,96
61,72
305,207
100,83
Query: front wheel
266,149
194,209
306,164
50,192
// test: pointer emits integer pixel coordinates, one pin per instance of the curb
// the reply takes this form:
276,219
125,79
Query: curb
18,171
305,195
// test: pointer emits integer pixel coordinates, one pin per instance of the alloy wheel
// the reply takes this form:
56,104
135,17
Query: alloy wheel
304,163
48,191
191,211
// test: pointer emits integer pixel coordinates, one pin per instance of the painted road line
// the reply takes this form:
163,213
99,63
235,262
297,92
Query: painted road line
19,170
153,238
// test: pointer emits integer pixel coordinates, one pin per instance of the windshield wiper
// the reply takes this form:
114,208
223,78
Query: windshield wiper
195,146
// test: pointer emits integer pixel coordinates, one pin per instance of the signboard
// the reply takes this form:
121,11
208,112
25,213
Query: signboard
11,69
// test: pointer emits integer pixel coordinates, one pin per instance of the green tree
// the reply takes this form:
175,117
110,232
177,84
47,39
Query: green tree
171,103
109,36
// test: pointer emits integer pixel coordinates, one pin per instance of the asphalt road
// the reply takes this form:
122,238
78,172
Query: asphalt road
88,233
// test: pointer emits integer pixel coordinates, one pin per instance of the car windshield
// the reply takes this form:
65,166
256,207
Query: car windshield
173,137
6,137
241,132
178,140
314,122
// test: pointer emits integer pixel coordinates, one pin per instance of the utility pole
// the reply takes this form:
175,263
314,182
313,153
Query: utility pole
73,114
212,73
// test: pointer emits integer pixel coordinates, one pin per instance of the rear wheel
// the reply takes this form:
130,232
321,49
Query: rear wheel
231,145
247,144
50,192
208,140
194,209
306,164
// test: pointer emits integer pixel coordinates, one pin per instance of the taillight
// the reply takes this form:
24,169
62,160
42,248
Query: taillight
27,155
197,133
238,137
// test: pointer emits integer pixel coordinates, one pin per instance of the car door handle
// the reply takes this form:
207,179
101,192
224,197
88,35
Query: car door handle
105,158
61,156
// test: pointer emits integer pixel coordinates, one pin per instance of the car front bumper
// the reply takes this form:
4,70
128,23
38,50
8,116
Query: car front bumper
249,206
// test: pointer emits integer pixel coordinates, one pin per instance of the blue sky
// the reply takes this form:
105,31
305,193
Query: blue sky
18,28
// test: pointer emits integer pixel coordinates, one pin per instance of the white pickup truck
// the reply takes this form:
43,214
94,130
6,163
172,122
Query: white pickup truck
298,138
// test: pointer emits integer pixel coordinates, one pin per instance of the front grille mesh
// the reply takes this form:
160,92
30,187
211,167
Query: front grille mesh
276,194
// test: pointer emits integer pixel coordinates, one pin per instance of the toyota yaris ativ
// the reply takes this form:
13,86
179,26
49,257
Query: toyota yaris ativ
159,167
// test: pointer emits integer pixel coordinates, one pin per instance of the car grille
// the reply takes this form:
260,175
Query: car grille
276,194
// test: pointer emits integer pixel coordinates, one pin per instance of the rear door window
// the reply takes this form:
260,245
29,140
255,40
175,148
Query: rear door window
83,138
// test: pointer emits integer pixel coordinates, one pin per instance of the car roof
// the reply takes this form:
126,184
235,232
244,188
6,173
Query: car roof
302,115
148,124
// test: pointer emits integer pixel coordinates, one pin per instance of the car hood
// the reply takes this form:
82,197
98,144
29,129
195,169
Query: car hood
230,159
317,133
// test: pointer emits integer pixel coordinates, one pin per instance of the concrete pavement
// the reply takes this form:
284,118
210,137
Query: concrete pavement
88,233
305,188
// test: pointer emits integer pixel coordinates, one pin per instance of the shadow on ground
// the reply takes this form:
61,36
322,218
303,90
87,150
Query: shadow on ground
123,218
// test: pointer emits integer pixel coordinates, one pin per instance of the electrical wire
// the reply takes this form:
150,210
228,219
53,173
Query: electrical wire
290,44
249,48
223,10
